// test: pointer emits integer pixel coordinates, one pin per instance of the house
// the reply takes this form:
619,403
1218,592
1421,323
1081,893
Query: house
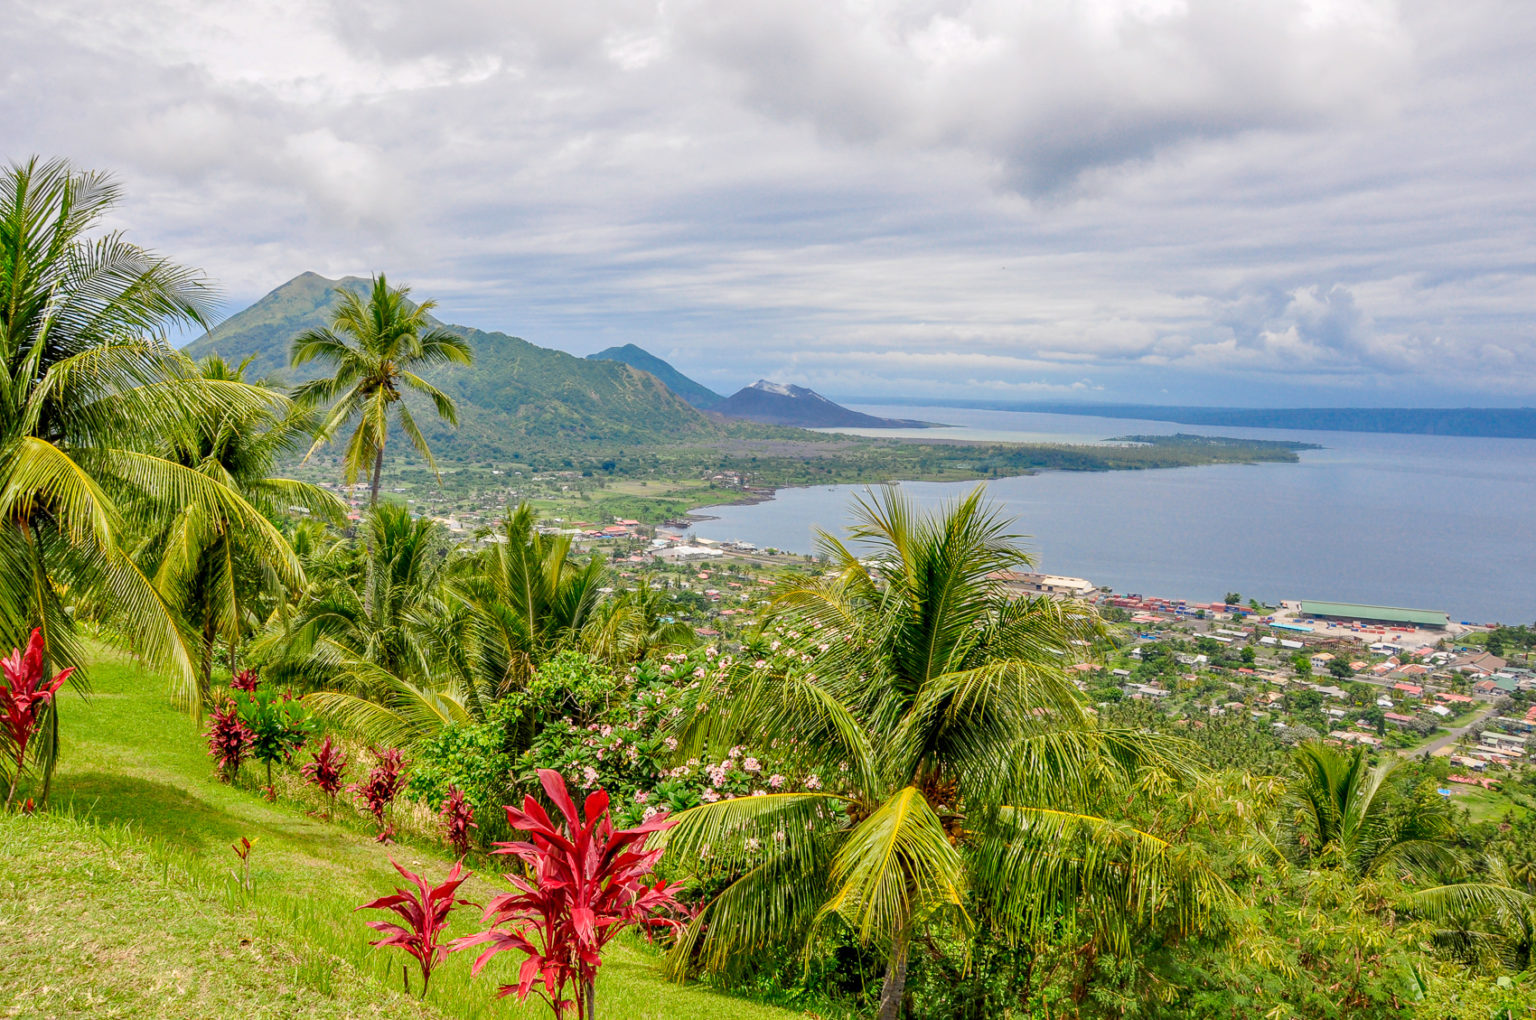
1412,690
1329,691
1480,664
1321,660
1441,711
1397,718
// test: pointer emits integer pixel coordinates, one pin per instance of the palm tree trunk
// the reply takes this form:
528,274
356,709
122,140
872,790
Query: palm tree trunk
894,988
378,466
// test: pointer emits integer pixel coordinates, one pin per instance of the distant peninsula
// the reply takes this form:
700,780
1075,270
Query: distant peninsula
1489,422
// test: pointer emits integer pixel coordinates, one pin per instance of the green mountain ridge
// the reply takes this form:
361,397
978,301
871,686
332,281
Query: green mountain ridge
516,397
695,393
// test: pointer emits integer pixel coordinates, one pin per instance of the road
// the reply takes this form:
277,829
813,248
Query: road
1450,738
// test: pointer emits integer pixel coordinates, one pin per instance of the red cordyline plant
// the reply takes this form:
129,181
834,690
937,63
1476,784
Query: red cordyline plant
587,885
425,913
245,680
325,771
458,818
384,781
24,690
229,740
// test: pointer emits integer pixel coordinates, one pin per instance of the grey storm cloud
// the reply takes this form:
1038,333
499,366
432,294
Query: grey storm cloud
1216,199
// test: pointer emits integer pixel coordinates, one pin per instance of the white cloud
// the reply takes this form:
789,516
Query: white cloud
921,196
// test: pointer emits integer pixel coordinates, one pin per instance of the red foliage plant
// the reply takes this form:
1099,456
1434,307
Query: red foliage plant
24,690
229,740
587,885
384,781
245,680
326,771
458,818
425,912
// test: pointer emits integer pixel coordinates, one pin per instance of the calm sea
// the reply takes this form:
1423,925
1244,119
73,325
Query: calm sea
1432,522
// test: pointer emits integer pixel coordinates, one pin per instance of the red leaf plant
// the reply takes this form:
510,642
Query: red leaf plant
229,740
458,818
384,781
326,771
24,690
245,680
425,912
587,885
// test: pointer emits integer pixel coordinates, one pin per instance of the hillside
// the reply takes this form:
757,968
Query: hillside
773,403
695,393
516,393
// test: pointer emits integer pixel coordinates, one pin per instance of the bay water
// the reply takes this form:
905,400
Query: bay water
1431,522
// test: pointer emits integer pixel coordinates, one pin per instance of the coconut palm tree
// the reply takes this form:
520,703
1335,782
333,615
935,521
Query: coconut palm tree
217,576
90,391
530,598
374,349
378,651
1344,818
966,761
635,625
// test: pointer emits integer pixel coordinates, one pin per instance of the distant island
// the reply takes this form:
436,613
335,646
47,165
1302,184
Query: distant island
1489,422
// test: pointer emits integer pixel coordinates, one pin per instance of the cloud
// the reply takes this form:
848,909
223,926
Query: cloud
1213,199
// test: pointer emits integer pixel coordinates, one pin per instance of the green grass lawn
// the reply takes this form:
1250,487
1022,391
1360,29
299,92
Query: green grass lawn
123,902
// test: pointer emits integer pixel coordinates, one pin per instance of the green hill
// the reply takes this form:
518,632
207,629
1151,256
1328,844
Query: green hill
697,394
517,395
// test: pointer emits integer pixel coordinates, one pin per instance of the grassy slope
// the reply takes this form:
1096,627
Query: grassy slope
150,922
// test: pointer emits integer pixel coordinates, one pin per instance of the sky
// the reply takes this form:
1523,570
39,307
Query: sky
1287,202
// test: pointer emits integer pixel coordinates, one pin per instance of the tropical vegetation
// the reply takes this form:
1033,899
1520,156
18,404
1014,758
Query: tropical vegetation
886,791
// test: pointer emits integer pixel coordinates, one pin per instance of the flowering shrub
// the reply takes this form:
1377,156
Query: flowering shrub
458,818
24,690
229,740
325,771
384,782
246,680
425,912
588,884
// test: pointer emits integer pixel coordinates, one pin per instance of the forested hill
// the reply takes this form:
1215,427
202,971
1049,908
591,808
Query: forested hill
695,393
515,393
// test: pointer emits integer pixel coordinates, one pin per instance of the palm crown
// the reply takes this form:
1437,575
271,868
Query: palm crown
375,348
91,396
966,755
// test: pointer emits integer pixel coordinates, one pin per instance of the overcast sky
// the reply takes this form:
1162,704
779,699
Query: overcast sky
1325,202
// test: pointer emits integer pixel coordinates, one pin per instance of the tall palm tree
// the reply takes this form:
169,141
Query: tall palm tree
216,576
89,392
374,349
968,759
1344,817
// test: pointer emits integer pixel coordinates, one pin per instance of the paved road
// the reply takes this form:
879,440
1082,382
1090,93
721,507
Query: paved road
1451,737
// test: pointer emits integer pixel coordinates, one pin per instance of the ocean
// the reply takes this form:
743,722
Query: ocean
1428,522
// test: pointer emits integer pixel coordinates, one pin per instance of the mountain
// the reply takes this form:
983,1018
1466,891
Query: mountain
774,403
697,394
516,397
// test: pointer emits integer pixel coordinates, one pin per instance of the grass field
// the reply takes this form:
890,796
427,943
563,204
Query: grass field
123,901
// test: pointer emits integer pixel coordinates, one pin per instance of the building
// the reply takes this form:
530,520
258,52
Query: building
1025,582
1349,612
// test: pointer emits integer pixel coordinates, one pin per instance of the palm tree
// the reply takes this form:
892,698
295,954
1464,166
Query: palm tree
635,625
380,652
374,348
968,759
216,576
1344,817
90,390
531,599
